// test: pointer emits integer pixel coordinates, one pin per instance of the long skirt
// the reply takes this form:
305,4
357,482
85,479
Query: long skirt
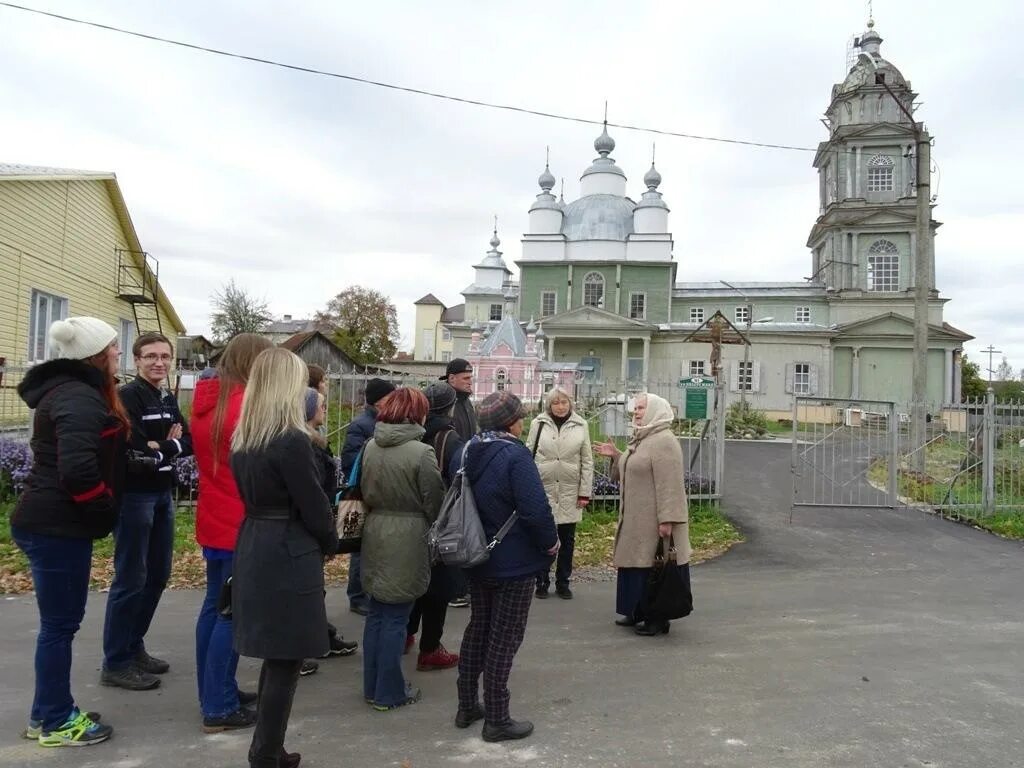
629,591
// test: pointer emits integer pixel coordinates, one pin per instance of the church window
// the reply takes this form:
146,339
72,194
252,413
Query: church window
500,380
880,169
593,289
696,314
446,357
495,312
638,306
802,379
803,314
745,376
883,266
697,367
548,303
742,315
446,334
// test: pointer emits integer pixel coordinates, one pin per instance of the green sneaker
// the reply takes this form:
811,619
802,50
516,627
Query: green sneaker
35,727
78,731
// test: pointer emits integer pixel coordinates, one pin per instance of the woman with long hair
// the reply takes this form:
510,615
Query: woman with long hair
652,506
71,498
216,407
277,597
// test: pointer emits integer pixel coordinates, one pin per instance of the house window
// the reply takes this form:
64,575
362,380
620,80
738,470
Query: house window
745,377
495,312
638,306
803,314
742,315
46,308
500,380
593,290
883,266
446,334
446,357
880,168
548,305
126,339
802,379
697,368
696,314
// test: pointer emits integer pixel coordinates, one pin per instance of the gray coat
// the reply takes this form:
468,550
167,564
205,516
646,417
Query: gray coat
402,489
277,580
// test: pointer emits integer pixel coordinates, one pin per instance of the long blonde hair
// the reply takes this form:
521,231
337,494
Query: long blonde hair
274,400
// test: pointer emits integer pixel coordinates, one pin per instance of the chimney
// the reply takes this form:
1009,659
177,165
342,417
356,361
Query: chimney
287,318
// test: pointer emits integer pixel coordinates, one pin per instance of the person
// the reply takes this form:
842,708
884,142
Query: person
432,608
504,480
317,378
278,576
144,534
652,505
216,408
560,442
70,499
459,375
316,413
402,489
359,431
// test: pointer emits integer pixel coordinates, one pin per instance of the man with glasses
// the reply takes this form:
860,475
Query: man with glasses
144,534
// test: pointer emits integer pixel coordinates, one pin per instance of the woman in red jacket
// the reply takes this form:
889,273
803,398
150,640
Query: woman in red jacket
216,407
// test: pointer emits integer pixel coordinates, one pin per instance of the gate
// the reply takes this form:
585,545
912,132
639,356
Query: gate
845,453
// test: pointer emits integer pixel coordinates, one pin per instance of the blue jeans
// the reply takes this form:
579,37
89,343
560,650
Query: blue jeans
216,660
143,544
383,643
356,596
60,575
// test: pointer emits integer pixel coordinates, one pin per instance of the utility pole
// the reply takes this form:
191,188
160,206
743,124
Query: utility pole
990,351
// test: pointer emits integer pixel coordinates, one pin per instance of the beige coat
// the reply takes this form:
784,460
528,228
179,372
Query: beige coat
651,487
565,462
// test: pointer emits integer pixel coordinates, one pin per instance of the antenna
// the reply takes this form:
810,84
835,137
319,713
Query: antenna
495,223
653,148
547,156
606,113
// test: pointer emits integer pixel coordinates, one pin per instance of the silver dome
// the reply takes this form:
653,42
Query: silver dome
652,179
598,217
546,180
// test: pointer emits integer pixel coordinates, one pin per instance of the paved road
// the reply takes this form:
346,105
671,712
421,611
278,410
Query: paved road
842,639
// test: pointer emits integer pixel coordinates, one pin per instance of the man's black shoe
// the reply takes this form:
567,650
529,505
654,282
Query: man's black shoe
248,698
513,729
466,717
563,591
151,664
130,678
240,718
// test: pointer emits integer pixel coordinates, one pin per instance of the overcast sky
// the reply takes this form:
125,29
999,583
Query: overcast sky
299,186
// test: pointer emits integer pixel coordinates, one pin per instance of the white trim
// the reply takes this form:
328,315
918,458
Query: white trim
629,309
554,296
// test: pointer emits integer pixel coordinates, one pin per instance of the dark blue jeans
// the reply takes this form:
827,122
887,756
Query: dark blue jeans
356,596
143,543
383,643
60,575
216,660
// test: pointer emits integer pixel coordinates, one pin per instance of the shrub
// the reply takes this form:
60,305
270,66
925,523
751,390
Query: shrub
742,420
15,462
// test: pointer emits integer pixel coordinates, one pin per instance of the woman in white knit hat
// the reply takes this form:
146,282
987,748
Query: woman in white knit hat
70,498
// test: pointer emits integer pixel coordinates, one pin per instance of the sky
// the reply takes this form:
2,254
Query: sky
298,186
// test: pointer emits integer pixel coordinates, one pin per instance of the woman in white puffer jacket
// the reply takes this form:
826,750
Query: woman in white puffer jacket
560,442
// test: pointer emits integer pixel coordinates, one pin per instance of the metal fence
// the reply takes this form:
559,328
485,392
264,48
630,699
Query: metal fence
15,416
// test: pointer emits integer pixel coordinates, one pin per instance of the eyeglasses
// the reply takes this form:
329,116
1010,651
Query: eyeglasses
152,357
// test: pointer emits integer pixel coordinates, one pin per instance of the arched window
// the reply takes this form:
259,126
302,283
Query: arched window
880,168
593,289
883,266
500,380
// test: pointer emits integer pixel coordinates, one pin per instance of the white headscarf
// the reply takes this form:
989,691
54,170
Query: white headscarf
659,413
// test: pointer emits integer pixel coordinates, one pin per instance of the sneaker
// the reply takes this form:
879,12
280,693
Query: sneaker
563,591
248,698
308,668
541,593
459,602
78,731
130,678
513,729
340,647
410,641
240,718
151,664
34,729
466,717
412,695
439,658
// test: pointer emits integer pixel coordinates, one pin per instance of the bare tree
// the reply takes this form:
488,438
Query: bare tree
1004,372
235,311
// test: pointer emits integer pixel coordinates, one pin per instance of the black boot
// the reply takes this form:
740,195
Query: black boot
513,729
651,628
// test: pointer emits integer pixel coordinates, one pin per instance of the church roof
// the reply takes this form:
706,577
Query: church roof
598,217
454,314
508,332
759,289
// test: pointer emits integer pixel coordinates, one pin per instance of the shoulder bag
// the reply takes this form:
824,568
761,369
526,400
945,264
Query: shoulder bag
351,510
667,595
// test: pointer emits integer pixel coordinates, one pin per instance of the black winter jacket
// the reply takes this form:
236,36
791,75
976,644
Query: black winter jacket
447,449
359,431
153,412
78,453
464,417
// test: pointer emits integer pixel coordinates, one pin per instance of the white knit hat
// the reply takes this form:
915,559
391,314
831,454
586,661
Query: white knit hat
81,337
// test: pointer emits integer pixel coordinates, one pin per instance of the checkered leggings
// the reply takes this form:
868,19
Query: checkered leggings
499,609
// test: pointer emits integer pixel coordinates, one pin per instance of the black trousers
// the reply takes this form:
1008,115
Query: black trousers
278,679
563,565
432,611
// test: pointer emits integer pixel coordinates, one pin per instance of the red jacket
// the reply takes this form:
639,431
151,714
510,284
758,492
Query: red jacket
219,509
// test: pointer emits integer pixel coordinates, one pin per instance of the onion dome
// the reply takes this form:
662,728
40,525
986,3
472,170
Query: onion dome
652,179
546,180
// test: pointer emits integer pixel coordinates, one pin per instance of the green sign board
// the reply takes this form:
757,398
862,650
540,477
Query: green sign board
696,403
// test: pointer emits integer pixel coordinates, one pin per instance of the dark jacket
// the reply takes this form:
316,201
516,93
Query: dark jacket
78,453
402,490
464,417
327,466
359,431
441,436
504,478
153,411
278,576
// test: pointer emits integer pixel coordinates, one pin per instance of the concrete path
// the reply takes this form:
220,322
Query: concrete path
842,639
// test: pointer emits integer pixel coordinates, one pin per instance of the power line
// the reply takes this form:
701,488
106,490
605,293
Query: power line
405,89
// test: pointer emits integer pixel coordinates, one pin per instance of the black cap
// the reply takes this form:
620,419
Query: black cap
458,365
377,389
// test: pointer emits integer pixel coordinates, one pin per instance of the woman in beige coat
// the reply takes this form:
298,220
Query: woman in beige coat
652,505
560,441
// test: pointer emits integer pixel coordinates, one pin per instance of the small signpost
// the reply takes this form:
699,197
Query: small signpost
697,404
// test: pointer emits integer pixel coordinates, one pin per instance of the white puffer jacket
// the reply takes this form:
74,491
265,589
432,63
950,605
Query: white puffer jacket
565,462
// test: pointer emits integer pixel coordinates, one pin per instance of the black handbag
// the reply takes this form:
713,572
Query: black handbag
667,595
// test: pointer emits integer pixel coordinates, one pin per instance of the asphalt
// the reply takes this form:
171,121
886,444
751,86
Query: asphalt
842,638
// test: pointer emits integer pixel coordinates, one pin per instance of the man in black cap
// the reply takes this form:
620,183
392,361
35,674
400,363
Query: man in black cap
459,374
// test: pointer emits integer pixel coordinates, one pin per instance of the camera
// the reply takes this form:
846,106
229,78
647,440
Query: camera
138,461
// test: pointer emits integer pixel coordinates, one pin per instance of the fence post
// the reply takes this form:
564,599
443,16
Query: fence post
894,456
988,458
719,439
